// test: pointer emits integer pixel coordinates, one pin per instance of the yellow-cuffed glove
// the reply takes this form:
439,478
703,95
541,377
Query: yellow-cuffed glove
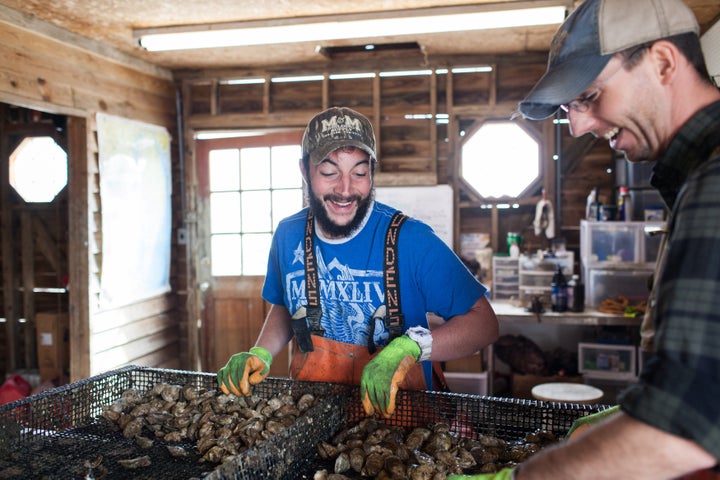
244,369
504,474
383,375
587,421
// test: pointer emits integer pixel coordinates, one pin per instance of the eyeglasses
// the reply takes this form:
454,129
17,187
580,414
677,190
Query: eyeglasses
582,104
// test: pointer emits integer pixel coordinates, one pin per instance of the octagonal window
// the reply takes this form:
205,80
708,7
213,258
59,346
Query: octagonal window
500,160
38,169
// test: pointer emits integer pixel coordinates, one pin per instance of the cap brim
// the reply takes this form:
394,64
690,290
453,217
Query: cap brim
562,84
321,153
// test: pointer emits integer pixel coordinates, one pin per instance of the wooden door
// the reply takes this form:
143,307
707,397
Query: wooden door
233,310
234,315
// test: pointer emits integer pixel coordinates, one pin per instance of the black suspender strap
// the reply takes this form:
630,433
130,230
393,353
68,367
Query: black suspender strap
392,315
312,281
306,320
310,314
394,320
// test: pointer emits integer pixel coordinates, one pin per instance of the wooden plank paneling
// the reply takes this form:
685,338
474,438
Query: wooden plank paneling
162,358
131,331
129,353
123,316
41,69
33,48
134,334
79,180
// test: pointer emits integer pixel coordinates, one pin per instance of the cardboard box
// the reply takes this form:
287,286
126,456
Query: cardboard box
523,384
53,344
470,364
467,382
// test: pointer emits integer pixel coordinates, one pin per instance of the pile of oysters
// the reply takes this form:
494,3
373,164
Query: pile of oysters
371,448
218,426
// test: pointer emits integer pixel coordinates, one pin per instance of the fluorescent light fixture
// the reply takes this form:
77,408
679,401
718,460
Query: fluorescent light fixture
300,78
440,118
218,134
243,81
483,69
405,73
351,76
349,26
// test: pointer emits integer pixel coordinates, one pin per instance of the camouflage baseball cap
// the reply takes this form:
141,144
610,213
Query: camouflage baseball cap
334,128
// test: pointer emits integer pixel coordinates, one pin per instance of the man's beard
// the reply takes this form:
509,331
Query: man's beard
330,228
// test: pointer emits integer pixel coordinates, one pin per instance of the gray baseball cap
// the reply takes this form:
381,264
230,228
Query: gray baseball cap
334,128
590,36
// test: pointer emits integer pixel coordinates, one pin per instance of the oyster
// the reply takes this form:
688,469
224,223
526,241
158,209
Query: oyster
220,425
177,451
342,463
374,449
138,462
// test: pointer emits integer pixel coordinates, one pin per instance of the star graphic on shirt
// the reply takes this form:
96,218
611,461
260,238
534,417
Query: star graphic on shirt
299,254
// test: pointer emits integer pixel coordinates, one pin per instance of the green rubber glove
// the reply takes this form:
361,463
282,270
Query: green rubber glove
585,422
382,376
244,369
504,474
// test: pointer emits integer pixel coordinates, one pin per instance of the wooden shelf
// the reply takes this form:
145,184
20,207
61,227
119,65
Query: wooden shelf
508,313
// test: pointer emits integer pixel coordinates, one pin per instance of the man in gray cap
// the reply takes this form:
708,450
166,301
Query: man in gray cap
633,73
351,282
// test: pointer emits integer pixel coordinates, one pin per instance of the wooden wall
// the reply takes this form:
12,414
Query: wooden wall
48,69
417,151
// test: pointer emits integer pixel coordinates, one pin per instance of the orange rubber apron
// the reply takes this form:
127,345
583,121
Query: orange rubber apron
339,362
316,358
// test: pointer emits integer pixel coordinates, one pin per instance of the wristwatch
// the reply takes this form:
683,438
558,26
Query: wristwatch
423,338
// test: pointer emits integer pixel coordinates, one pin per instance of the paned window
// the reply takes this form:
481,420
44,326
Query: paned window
500,160
251,190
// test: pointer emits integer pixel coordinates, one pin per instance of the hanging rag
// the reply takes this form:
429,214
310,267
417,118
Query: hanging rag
544,219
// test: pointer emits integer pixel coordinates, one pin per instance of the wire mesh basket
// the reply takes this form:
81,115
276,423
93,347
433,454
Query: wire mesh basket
60,433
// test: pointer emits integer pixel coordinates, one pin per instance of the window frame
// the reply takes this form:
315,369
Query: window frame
252,140
532,187
42,172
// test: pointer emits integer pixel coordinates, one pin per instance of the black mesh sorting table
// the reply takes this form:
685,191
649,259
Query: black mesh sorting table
60,433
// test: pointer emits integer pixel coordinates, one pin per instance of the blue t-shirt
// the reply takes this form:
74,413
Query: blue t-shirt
350,270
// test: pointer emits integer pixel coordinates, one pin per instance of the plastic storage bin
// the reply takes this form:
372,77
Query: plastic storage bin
616,242
610,241
618,258
536,275
505,278
630,281
652,236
